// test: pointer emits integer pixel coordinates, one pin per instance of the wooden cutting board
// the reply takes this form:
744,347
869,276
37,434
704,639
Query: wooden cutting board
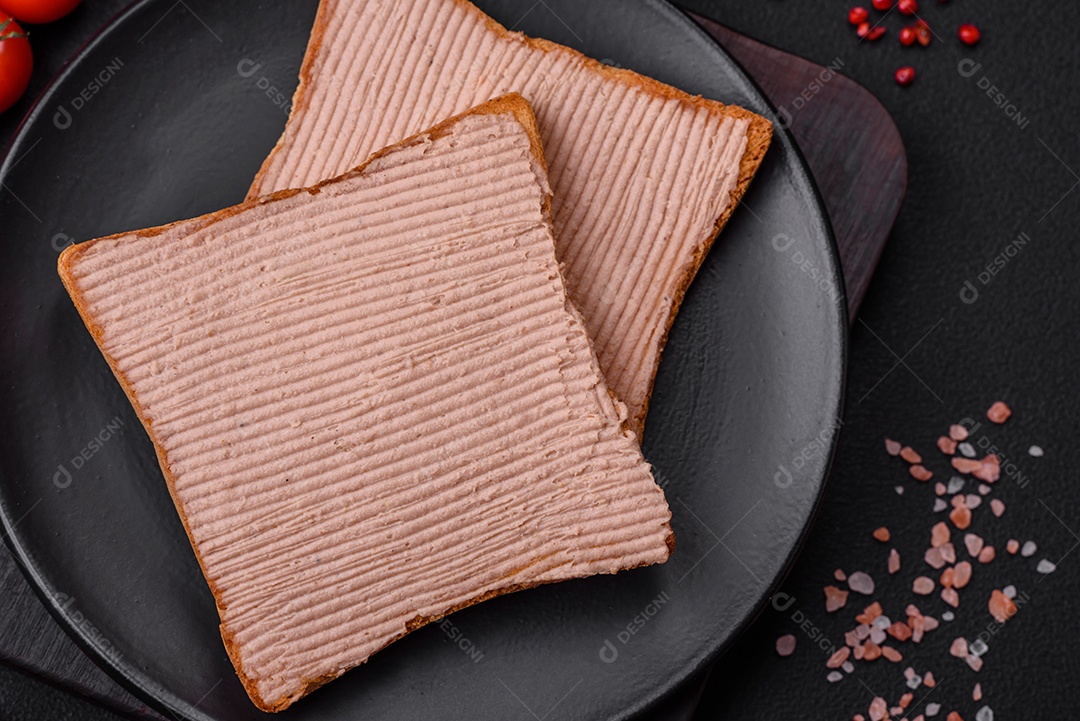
858,160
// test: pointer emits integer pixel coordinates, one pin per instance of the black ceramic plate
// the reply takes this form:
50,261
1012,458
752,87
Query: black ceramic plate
166,115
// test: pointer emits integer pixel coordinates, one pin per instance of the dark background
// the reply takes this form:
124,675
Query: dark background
921,358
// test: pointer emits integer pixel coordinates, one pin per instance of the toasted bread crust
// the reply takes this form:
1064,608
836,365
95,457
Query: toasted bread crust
759,136
513,104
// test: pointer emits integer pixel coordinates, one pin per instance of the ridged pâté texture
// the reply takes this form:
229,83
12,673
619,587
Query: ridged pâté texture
644,175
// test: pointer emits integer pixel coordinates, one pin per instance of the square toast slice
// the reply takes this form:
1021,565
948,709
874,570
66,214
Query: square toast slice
372,400
644,175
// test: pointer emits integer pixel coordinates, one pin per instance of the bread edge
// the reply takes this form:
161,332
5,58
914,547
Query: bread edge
759,137
511,103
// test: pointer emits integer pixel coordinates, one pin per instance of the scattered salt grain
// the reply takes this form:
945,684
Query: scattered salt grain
967,450
932,709
1009,591
940,505
860,582
923,586
939,488
958,432
984,714
1012,546
1028,549
847,666
997,507
978,648
834,676
835,598
894,561
974,544
976,693
881,623
987,554
955,484
877,636
950,596
948,553
892,447
838,658
1035,452
983,489
939,535
919,473
914,682
999,413
959,647
948,616
785,645
910,455
946,445
973,501
882,534
839,574
899,490
1001,606
1046,566
878,709
975,663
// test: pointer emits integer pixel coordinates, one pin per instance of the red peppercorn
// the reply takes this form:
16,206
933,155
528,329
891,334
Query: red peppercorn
857,15
907,36
969,34
875,33
882,4
923,33
907,7
862,30
905,76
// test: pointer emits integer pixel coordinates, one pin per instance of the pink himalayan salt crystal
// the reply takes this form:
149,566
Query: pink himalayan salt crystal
939,488
989,469
933,558
939,534
976,693
946,445
958,432
928,679
999,413
878,709
839,575
987,554
972,501
1012,546
984,489
974,544
959,647
919,473
894,561
975,662
948,553
892,447
785,645
910,455
860,582
965,465
961,574
997,507
950,596
923,586
835,598
930,623
838,658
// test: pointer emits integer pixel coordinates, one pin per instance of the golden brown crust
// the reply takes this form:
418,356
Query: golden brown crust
508,104
759,136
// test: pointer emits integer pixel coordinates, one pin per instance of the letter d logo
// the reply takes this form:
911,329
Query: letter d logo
608,652
62,478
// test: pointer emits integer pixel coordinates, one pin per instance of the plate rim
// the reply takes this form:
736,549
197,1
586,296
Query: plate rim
147,689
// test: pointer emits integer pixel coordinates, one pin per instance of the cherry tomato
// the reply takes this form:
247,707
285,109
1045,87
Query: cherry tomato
16,62
35,12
